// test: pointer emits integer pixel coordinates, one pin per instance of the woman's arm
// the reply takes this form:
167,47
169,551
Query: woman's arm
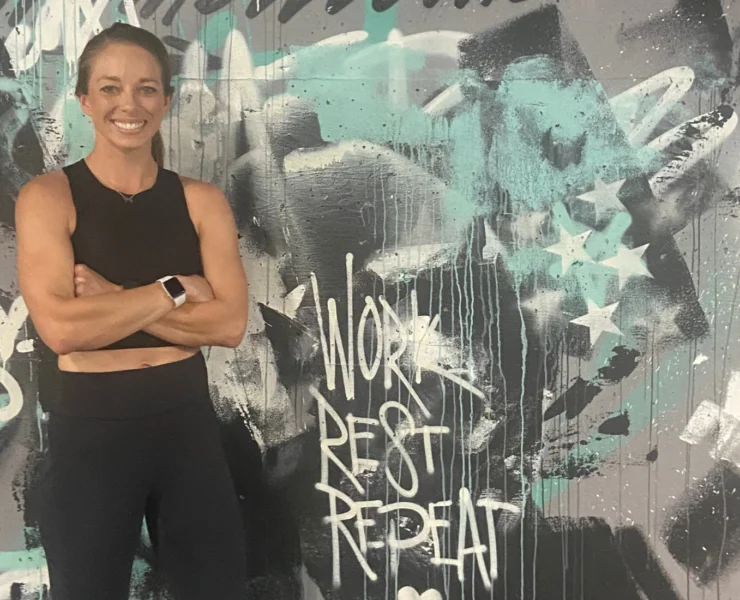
223,320
45,262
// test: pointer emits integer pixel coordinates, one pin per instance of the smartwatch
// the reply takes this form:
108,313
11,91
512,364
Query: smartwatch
174,289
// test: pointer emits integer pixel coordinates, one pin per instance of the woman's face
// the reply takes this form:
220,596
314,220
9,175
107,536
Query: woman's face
125,98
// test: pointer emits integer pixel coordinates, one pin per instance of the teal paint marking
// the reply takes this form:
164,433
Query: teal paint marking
539,107
212,36
379,25
22,560
673,391
216,29
79,135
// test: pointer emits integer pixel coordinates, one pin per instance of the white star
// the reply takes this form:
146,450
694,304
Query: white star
604,196
629,263
570,248
598,320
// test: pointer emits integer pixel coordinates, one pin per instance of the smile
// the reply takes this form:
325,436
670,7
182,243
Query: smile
129,126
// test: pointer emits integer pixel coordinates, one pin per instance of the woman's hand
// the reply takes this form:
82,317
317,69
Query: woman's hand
197,288
90,283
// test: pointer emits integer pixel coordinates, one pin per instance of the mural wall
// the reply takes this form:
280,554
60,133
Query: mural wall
494,263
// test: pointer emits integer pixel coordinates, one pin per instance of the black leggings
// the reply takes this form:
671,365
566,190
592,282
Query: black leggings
105,470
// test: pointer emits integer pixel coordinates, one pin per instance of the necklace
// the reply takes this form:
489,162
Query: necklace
128,197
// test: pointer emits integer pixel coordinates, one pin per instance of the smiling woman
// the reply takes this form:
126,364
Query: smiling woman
127,269
153,88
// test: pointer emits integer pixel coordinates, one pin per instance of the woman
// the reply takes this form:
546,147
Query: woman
127,269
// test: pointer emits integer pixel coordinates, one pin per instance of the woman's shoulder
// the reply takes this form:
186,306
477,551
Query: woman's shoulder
197,186
49,186
55,177
198,191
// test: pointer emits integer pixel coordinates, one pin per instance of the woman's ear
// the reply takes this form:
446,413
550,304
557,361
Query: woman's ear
84,103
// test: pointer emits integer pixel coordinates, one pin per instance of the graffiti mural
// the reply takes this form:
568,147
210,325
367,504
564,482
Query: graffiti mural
494,270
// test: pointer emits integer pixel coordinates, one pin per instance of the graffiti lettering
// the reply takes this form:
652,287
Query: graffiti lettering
427,530
430,523
289,9
53,23
394,339
10,324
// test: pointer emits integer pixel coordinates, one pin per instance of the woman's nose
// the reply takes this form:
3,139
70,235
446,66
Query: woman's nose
127,99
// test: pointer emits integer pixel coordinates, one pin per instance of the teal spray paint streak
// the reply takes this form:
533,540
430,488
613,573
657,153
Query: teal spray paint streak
536,102
216,29
22,560
379,25
673,391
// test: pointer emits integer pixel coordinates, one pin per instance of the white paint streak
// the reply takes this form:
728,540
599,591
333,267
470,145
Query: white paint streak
315,159
56,23
677,80
432,43
15,394
398,96
397,442
732,400
401,261
10,324
131,15
444,101
282,67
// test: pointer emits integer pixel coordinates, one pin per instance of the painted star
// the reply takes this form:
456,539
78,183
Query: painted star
571,248
598,320
604,196
629,263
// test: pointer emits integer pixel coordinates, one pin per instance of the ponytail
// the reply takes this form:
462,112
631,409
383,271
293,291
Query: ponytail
158,148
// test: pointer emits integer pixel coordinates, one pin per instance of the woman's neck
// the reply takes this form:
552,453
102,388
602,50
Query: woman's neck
127,172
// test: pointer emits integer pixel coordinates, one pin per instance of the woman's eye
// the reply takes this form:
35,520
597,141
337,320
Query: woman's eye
149,90
109,89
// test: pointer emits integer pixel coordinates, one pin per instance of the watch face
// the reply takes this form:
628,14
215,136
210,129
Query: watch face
174,287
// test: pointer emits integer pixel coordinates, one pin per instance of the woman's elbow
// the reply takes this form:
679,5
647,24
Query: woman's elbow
58,339
234,333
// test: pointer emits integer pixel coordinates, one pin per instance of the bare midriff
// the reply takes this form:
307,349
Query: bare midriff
102,361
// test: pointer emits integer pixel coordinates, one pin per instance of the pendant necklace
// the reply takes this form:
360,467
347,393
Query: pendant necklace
128,197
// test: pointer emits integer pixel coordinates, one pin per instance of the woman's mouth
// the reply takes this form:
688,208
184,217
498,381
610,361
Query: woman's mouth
129,126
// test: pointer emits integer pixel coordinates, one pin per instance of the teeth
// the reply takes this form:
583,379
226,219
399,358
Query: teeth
129,125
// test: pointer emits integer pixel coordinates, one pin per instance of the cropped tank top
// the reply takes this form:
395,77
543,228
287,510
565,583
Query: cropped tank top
133,243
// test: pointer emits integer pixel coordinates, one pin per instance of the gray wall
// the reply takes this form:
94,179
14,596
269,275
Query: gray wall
536,204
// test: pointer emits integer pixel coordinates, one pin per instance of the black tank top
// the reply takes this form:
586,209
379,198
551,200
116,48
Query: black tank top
133,243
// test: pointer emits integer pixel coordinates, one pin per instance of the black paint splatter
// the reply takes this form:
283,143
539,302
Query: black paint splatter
574,400
702,530
622,362
644,565
619,425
